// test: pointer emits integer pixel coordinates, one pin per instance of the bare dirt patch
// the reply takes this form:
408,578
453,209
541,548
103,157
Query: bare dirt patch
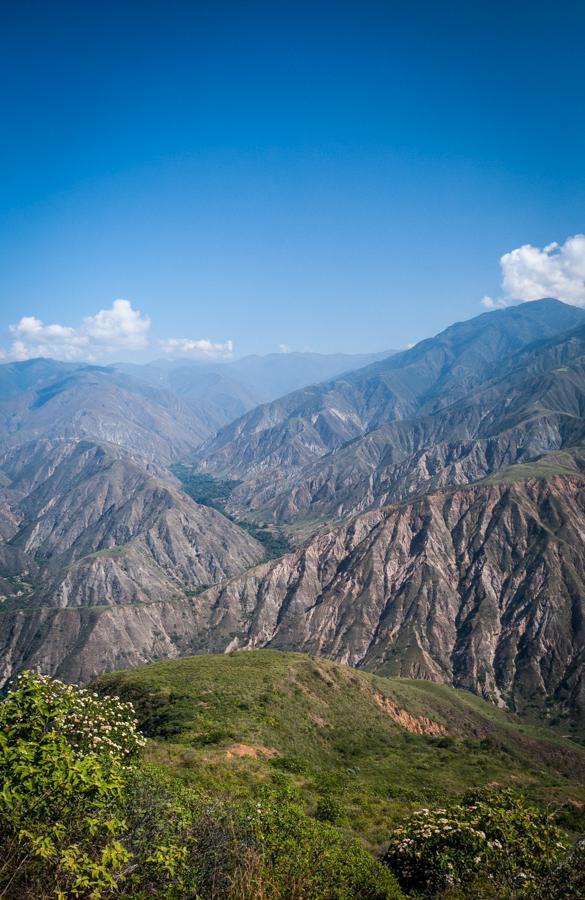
237,750
414,724
318,721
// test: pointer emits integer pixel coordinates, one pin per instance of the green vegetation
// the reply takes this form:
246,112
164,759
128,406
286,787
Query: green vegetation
66,764
275,543
205,489
109,552
215,492
81,816
490,842
17,581
548,465
237,723
274,775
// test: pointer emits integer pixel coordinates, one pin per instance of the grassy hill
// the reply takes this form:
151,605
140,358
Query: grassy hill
362,750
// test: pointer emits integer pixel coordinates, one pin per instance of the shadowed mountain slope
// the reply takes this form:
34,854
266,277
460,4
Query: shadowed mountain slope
51,400
292,432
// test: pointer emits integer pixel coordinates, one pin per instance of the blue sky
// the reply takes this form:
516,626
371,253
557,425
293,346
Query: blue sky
324,176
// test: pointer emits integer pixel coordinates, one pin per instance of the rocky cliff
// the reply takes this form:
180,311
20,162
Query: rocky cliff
274,440
482,587
437,499
99,529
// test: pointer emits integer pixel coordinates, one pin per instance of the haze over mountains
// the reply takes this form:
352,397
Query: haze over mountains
308,424
435,499
162,410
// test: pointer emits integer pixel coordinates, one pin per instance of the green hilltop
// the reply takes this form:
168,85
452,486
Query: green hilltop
361,750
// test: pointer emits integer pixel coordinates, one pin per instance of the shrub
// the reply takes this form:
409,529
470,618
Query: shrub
82,816
66,760
292,764
300,858
330,808
567,880
491,838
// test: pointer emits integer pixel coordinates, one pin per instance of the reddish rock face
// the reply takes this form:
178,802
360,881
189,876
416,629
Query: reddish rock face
436,499
480,587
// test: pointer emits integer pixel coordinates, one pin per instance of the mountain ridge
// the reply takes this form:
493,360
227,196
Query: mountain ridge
437,503
305,425
430,588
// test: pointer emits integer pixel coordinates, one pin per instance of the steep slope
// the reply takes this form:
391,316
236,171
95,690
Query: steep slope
32,374
97,403
536,407
105,531
221,392
159,412
481,587
358,745
301,427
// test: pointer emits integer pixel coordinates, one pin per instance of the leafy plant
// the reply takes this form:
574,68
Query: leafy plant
303,859
66,757
492,837
330,808
82,816
567,880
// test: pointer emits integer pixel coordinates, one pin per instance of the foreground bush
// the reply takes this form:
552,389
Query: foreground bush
299,858
82,816
567,880
66,769
489,845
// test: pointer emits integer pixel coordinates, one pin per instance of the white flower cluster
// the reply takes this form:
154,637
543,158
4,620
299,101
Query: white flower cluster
89,722
438,847
435,824
440,831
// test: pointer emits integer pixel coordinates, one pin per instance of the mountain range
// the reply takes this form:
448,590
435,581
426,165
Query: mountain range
434,500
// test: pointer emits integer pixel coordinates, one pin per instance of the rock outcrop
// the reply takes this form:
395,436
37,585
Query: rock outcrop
482,587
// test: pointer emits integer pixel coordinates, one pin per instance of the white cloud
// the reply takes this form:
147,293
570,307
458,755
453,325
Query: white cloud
110,330
118,327
531,273
197,349
284,348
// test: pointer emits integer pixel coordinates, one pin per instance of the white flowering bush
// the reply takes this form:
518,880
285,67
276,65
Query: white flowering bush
492,837
89,723
66,763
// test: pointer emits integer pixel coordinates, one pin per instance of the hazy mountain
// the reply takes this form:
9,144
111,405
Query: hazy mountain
48,399
221,392
211,392
19,377
277,374
295,430
161,411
